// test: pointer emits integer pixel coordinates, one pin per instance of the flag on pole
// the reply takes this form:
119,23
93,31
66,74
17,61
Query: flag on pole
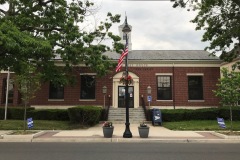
120,61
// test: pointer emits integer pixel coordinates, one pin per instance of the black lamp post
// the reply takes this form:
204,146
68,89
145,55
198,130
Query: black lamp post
127,133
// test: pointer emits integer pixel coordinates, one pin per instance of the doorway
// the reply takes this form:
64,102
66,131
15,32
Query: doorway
121,96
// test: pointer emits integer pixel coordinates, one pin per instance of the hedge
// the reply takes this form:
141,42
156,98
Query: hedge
49,114
85,115
169,115
16,113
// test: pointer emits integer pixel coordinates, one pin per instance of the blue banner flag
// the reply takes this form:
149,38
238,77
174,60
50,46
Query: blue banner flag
221,122
30,123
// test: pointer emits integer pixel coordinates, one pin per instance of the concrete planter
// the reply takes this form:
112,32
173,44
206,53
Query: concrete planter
143,132
108,132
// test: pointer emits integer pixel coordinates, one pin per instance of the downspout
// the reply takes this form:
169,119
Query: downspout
173,85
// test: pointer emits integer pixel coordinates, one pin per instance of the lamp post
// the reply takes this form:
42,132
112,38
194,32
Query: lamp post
127,133
104,91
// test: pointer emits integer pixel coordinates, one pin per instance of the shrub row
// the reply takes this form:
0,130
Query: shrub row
85,115
198,114
16,113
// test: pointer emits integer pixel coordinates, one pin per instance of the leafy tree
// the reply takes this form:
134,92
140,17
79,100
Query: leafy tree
221,22
229,89
43,30
29,81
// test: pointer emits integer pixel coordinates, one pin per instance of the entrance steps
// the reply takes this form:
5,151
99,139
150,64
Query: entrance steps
118,115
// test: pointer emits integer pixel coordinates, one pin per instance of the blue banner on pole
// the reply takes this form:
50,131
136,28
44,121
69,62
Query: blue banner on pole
30,123
149,98
221,122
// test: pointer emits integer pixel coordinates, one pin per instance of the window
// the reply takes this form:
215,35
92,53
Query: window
10,90
124,37
195,88
87,87
164,90
56,92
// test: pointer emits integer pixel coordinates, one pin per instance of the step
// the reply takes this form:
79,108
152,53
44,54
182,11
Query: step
136,115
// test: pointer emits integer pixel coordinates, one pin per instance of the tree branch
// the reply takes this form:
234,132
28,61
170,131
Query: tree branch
1,10
41,3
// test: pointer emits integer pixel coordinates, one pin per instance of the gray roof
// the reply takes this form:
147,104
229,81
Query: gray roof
165,55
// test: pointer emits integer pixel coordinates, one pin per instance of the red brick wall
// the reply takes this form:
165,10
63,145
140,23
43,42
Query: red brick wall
147,78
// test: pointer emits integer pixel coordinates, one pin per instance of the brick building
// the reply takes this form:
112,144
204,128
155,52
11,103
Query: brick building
177,79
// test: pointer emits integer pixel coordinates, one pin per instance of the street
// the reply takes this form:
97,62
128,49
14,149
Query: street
118,151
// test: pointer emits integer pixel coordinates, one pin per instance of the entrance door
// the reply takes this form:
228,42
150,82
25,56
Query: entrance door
121,96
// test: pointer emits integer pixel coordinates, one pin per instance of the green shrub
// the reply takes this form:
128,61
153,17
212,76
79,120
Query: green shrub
16,113
224,112
49,114
170,115
85,115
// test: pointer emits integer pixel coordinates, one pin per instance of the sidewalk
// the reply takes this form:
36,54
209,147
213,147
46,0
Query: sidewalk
95,134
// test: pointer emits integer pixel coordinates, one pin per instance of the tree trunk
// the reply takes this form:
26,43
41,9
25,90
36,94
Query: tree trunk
231,117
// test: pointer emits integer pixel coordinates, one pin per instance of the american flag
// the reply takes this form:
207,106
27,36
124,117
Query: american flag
120,61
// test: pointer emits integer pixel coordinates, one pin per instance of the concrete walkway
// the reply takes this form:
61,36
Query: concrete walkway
95,134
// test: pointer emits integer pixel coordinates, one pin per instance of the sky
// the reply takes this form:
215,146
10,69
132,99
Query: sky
156,25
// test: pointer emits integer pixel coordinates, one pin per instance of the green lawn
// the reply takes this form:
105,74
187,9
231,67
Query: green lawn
210,125
39,125
205,125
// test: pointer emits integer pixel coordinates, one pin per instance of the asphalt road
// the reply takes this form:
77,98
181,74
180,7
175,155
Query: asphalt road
118,151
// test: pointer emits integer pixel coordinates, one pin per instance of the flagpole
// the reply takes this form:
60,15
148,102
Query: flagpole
6,101
127,133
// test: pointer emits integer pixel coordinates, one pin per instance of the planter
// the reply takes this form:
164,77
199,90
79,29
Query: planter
143,132
108,132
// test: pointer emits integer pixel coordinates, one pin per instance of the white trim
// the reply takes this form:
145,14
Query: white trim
88,74
195,74
164,101
57,100
87,100
2,71
116,83
196,101
163,74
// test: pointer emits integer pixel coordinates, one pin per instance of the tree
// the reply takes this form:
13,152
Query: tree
44,30
29,81
229,89
221,22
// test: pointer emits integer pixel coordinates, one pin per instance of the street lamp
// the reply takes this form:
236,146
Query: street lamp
127,133
104,91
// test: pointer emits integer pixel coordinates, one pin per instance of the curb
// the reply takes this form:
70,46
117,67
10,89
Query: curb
226,136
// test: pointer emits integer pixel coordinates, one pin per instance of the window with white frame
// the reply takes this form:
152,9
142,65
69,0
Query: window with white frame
195,87
87,87
164,88
56,91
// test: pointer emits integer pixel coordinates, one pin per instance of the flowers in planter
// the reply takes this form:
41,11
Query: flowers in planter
126,80
143,124
107,124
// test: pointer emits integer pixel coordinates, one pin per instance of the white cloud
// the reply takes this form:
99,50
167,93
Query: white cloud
156,25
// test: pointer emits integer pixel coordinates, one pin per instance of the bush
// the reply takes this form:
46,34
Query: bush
224,112
85,115
49,114
170,115
16,113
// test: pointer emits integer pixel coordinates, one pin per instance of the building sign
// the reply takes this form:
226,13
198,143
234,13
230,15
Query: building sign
149,98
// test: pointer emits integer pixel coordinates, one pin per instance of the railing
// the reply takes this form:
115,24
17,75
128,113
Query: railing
144,108
107,108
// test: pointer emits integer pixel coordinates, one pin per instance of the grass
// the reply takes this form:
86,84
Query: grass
39,125
201,125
